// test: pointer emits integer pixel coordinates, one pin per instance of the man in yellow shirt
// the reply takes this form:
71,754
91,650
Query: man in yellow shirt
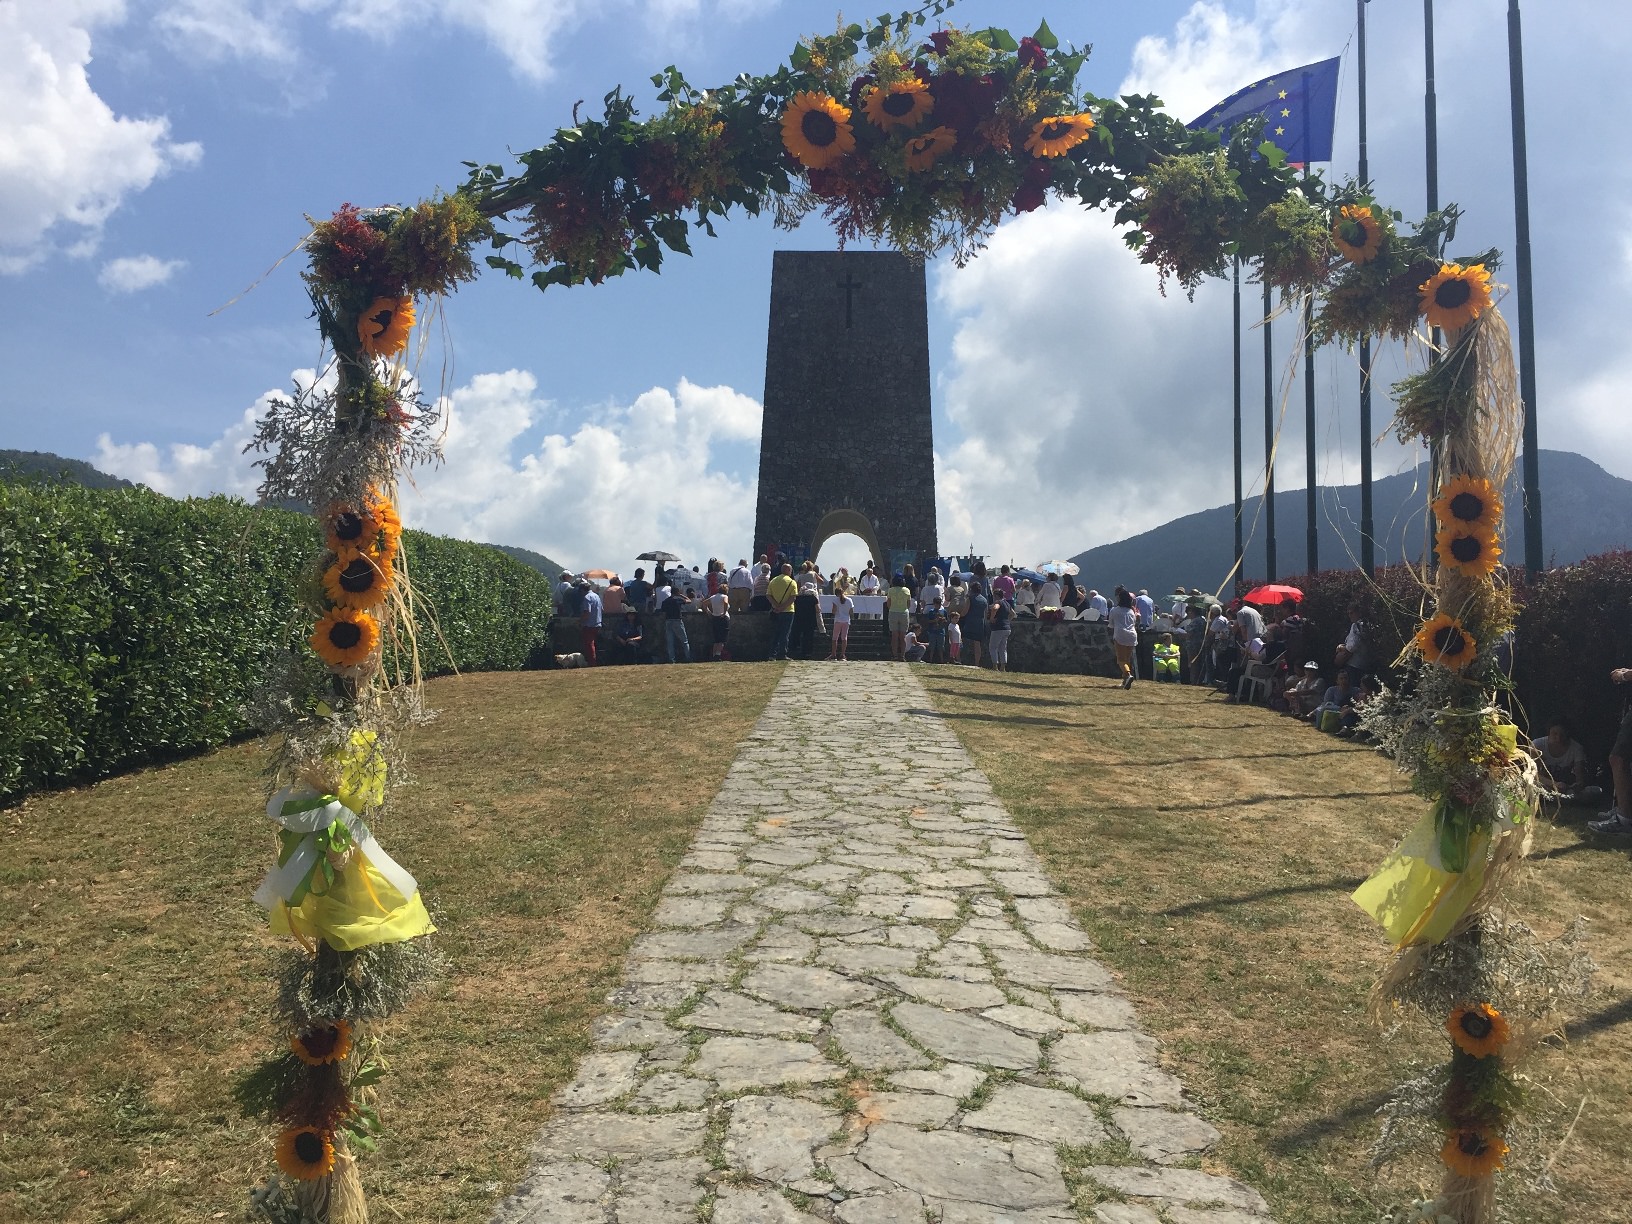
898,601
781,591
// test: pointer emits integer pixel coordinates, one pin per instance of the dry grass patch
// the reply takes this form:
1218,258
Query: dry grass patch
1209,850
548,811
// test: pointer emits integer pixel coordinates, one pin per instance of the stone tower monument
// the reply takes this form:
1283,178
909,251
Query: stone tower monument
846,445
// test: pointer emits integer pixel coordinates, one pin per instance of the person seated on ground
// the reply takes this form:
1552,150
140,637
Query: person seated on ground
1616,822
1349,728
1337,702
954,636
934,622
630,637
1561,760
912,650
1304,694
1166,654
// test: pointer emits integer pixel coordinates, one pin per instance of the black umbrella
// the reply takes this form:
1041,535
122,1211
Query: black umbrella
657,554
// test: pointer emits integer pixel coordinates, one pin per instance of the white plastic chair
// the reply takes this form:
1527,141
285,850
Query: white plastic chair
1255,683
1069,614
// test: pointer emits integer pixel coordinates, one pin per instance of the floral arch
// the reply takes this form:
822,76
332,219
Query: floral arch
924,144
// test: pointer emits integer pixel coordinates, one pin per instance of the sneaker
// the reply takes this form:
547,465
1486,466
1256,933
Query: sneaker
1127,682
1612,825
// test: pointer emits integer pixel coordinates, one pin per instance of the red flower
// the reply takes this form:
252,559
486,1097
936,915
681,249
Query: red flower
961,102
1028,199
940,41
1039,173
856,86
1032,53
824,182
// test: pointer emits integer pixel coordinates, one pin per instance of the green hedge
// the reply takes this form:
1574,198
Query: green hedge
133,627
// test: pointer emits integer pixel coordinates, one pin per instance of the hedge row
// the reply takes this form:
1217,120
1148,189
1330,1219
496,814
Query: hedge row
1575,624
133,627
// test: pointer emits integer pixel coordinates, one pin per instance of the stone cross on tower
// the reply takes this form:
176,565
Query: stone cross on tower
846,446
849,284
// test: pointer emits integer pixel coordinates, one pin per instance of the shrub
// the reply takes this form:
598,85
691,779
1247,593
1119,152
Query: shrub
133,627
1575,626
1391,605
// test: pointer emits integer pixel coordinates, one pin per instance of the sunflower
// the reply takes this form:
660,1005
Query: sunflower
1455,296
922,150
1052,137
1474,1152
816,129
906,103
1478,1029
372,527
325,1044
1470,551
305,1153
1468,502
345,637
1357,234
1445,641
383,327
358,579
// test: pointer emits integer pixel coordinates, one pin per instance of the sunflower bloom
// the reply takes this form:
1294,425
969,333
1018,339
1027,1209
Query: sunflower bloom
923,150
1444,640
1470,551
345,637
905,104
1468,502
1455,296
305,1153
325,1044
1356,234
1478,1029
358,579
816,130
1056,136
383,328
1474,1152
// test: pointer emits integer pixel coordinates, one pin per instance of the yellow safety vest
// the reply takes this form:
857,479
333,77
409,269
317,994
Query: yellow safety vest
1167,657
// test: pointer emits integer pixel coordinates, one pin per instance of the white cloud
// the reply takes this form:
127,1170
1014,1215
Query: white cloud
65,158
626,479
133,273
526,32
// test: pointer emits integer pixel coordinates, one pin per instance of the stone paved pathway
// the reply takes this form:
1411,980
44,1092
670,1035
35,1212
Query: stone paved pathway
863,1002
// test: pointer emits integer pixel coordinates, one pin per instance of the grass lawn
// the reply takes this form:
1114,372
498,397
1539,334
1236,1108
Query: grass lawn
549,809
1209,849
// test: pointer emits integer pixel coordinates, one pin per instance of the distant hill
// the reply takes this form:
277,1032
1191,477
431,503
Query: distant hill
541,563
54,469
1585,510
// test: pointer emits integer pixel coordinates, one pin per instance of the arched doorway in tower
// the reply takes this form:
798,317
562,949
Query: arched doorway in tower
844,538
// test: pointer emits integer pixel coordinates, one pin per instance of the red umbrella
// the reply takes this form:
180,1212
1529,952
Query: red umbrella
1273,593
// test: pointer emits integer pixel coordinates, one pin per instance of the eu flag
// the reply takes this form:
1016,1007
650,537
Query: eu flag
1299,108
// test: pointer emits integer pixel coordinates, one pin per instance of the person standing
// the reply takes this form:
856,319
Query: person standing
974,624
843,605
1354,656
780,593
674,626
1145,606
807,616
1001,617
1124,634
612,600
954,636
898,605
1003,585
638,594
760,601
589,618
563,588
740,586
719,616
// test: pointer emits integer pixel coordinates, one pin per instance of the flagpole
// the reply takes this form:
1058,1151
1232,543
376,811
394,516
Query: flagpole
1430,103
1269,443
1368,547
1527,317
1311,495
1238,550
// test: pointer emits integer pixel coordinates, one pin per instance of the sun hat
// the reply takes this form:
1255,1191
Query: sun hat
1311,666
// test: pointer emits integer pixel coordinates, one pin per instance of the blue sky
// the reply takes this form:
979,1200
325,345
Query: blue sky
166,150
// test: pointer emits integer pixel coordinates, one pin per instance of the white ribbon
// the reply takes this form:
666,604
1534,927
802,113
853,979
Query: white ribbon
287,809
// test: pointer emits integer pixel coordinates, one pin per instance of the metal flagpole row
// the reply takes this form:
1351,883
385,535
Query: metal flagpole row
1533,560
